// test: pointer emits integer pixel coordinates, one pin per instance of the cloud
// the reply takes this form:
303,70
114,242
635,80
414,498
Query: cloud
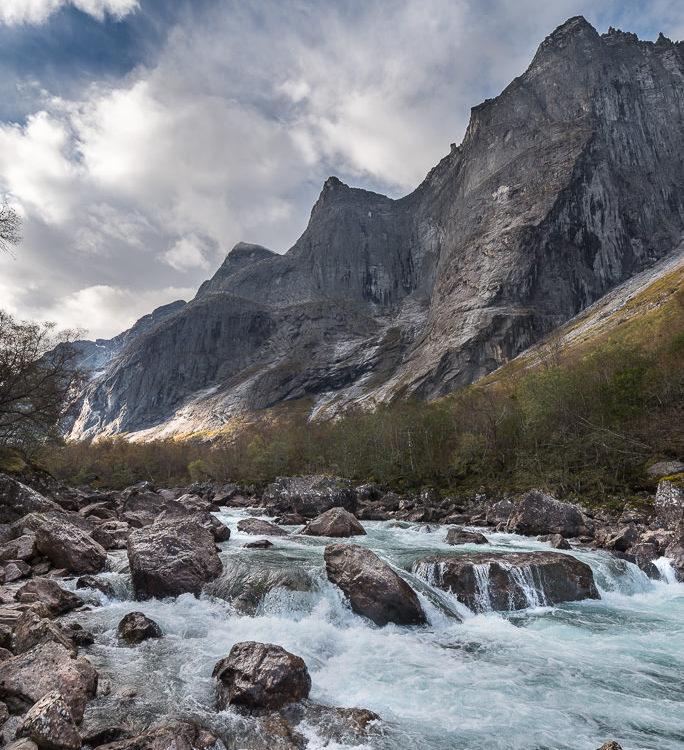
135,187
39,11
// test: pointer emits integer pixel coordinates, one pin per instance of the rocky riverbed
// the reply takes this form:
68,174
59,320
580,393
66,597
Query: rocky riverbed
315,614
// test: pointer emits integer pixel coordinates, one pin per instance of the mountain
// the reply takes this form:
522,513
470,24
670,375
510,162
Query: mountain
568,183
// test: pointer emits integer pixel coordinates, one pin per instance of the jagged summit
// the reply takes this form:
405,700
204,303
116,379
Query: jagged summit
565,185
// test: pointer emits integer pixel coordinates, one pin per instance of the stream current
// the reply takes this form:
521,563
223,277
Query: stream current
571,676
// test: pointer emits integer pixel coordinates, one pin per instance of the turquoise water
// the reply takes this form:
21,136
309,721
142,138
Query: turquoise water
570,676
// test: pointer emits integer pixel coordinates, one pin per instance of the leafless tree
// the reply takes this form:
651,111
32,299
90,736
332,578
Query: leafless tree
38,374
10,228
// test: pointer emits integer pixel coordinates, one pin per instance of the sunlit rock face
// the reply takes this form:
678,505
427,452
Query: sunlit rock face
566,184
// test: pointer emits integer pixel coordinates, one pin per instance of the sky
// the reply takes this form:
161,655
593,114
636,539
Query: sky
141,139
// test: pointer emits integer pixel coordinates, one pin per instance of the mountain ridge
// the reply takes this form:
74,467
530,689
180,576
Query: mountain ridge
566,184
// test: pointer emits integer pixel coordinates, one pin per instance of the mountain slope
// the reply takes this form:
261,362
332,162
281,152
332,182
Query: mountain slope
565,185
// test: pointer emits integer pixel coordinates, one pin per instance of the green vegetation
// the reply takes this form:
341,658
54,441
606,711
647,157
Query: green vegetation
582,423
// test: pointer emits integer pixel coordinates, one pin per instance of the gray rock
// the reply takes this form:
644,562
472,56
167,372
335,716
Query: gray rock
50,725
178,736
538,513
57,600
669,503
91,582
374,590
336,522
22,548
259,527
310,496
509,581
135,627
260,676
664,469
67,546
31,630
173,558
26,678
17,500
459,536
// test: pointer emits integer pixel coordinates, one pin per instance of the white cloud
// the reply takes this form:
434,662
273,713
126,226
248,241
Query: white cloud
38,11
186,253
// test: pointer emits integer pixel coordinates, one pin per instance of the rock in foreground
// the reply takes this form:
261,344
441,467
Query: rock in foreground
510,581
374,590
260,676
172,558
50,725
68,546
336,522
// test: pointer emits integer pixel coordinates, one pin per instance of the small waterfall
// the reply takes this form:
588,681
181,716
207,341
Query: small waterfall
532,590
483,602
667,572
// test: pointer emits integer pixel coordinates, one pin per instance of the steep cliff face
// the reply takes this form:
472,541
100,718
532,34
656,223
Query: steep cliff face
566,184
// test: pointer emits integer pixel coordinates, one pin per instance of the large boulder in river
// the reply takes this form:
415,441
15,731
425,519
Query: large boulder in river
509,581
245,583
206,520
259,527
50,724
68,546
461,536
136,627
310,495
260,676
172,558
374,590
537,513
336,522
17,500
26,678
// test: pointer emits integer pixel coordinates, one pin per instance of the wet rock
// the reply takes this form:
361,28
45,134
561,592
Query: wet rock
675,552
26,678
610,746
258,544
17,500
22,548
260,676
343,726
50,725
555,540
173,558
91,582
291,519
459,536
31,630
244,584
669,502
510,581
52,595
67,546
624,539
180,736
374,590
310,496
77,634
336,522
258,527
101,733
135,627
537,513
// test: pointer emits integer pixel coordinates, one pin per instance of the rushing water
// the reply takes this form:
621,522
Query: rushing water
565,677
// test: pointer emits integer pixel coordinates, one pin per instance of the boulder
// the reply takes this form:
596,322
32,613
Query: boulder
67,546
509,581
310,495
172,558
21,548
258,544
52,595
135,627
23,744
664,469
15,570
17,500
559,542
31,630
537,513
50,725
77,634
208,521
623,539
260,676
244,584
180,736
612,745
669,502
26,678
499,512
459,536
374,590
336,522
259,527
